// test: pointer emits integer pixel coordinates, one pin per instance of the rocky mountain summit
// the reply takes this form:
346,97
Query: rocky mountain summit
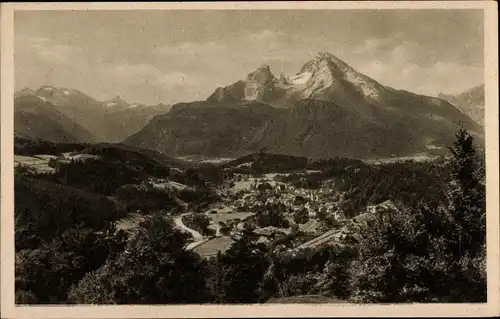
327,109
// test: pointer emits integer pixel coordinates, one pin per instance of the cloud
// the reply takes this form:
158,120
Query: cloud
265,36
44,62
401,67
184,71
46,50
147,73
254,46
188,49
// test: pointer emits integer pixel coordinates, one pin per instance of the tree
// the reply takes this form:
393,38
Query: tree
46,273
467,195
153,269
197,221
333,280
241,273
428,252
380,272
301,216
271,215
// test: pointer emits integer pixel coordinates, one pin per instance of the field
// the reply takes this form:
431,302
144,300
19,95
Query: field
129,223
416,158
40,164
211,247
224,217
207,160
310,226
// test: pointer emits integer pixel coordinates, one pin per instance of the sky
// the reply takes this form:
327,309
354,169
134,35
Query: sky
169,56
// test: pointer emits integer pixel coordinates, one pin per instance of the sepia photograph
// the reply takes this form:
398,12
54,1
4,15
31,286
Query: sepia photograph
240,155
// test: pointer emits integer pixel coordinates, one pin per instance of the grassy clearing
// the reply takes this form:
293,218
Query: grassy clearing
224,217
212,246
39,164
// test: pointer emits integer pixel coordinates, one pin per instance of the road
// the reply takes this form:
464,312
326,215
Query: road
196,235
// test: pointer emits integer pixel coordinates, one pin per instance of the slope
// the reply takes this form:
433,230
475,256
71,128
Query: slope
109,121
205,128
35,117
470,103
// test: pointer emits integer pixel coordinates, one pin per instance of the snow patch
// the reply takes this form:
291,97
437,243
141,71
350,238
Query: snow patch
433,147
436,101
42,98
48,89
248,164
365,86
301,78
109,104
67,92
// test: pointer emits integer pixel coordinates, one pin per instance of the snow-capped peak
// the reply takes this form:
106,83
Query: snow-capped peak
48,89
117,102
325,69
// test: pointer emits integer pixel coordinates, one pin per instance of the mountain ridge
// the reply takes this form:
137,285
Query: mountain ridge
109,121
327,109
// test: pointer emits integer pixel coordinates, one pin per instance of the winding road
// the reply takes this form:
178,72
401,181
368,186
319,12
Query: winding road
196,235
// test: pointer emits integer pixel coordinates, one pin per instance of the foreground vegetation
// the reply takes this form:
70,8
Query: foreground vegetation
68,249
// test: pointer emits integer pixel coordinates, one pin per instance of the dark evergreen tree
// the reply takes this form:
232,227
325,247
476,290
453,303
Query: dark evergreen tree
243,269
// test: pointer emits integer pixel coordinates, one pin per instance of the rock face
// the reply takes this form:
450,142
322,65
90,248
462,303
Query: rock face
259,86
471,103
325,78
327,109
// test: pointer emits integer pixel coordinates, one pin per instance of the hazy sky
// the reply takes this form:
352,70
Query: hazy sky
172,56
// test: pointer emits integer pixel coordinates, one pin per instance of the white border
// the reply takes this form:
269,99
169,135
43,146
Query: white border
8,308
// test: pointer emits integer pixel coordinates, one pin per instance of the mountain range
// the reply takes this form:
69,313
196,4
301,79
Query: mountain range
327,109
67,115
471,103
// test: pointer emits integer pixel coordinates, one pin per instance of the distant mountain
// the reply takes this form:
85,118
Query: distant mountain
109,121
325,77
116,103
125,122
471,103
327,109
34,117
